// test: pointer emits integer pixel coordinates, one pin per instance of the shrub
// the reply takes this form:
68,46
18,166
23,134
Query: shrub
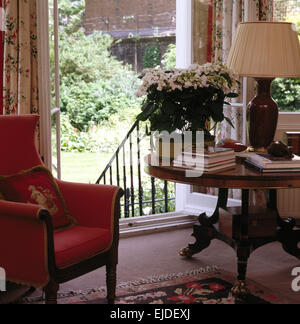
72,140
169,58
94,84
151,57
286,92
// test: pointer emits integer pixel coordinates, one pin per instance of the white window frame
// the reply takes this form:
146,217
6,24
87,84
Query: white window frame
56,110
188,201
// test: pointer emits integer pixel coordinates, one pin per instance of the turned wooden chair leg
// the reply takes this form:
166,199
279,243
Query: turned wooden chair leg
111,282
51,293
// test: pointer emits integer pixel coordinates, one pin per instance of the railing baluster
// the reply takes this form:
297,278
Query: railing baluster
139,170
118,171
131,177
153,194
110,174
127,193
166,193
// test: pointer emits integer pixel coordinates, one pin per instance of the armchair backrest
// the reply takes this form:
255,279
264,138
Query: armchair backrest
17,143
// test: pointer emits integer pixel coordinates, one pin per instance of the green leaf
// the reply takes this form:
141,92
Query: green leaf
232,95
148,109
229,122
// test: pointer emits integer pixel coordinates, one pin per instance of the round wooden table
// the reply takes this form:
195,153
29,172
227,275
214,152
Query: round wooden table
251,227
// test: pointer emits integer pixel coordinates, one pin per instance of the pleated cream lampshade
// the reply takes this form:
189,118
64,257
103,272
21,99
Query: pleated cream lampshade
266,50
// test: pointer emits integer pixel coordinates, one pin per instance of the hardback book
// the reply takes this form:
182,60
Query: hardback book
212,156
265,161
207,162
207,169
213,152
271,170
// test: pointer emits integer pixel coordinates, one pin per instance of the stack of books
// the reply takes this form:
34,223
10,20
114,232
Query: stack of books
266,163
212,160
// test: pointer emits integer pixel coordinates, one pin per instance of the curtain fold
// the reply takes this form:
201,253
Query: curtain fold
2,35
20,91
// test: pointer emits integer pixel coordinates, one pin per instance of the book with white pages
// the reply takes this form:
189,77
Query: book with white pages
224,156
206,169
263,161
212,152
271,170
200,160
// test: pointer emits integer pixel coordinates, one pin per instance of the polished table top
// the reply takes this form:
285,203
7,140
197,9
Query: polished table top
239,177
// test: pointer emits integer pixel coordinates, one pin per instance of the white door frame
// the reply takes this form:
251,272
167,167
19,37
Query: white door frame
44,81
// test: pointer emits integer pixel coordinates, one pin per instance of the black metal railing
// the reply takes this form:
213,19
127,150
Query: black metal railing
143,195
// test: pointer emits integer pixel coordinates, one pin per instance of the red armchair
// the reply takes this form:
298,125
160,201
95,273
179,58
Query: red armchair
32,252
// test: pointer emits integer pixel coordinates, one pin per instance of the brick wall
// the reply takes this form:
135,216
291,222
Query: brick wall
133,52
152,21
115,16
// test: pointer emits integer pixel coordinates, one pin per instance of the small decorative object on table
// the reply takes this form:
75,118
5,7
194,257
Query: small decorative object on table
230,143
192,99
280,150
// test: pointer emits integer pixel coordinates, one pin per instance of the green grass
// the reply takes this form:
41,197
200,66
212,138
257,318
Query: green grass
87,167
83,167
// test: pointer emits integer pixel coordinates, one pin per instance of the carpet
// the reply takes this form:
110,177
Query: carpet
202,286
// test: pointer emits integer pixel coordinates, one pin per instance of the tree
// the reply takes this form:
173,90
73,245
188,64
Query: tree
286,92
94,85
151,57
71,14
169,58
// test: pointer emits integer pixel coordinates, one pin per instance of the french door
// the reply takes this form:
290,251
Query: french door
186,199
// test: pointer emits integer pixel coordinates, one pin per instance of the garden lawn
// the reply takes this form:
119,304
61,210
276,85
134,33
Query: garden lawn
83,167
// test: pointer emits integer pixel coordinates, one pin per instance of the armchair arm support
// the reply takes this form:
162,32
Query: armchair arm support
26,243
90,204
21,210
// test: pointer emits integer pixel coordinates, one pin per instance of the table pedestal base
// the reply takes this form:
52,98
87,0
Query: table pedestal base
243,239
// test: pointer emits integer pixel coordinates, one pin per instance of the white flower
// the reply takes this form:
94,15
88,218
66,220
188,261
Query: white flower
197,76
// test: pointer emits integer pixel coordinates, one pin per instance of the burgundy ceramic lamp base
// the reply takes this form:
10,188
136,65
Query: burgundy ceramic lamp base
262,117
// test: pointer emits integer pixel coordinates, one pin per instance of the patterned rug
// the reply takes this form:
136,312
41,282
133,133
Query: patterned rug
195,287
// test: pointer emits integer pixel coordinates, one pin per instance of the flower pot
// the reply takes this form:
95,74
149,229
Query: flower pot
168,148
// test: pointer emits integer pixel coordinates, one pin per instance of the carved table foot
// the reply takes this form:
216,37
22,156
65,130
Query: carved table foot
204,236
186,252
240,290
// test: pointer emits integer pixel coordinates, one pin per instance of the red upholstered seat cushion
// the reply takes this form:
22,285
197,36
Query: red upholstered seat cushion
79,243
37,186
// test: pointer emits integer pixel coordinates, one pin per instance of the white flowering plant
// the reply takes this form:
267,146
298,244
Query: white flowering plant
186,99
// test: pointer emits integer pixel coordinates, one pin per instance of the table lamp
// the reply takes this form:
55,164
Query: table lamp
264,51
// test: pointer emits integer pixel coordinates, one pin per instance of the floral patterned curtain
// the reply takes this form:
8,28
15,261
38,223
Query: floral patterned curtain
20,58
2,34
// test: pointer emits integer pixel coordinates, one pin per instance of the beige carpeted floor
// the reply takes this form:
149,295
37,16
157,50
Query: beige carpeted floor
157,254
